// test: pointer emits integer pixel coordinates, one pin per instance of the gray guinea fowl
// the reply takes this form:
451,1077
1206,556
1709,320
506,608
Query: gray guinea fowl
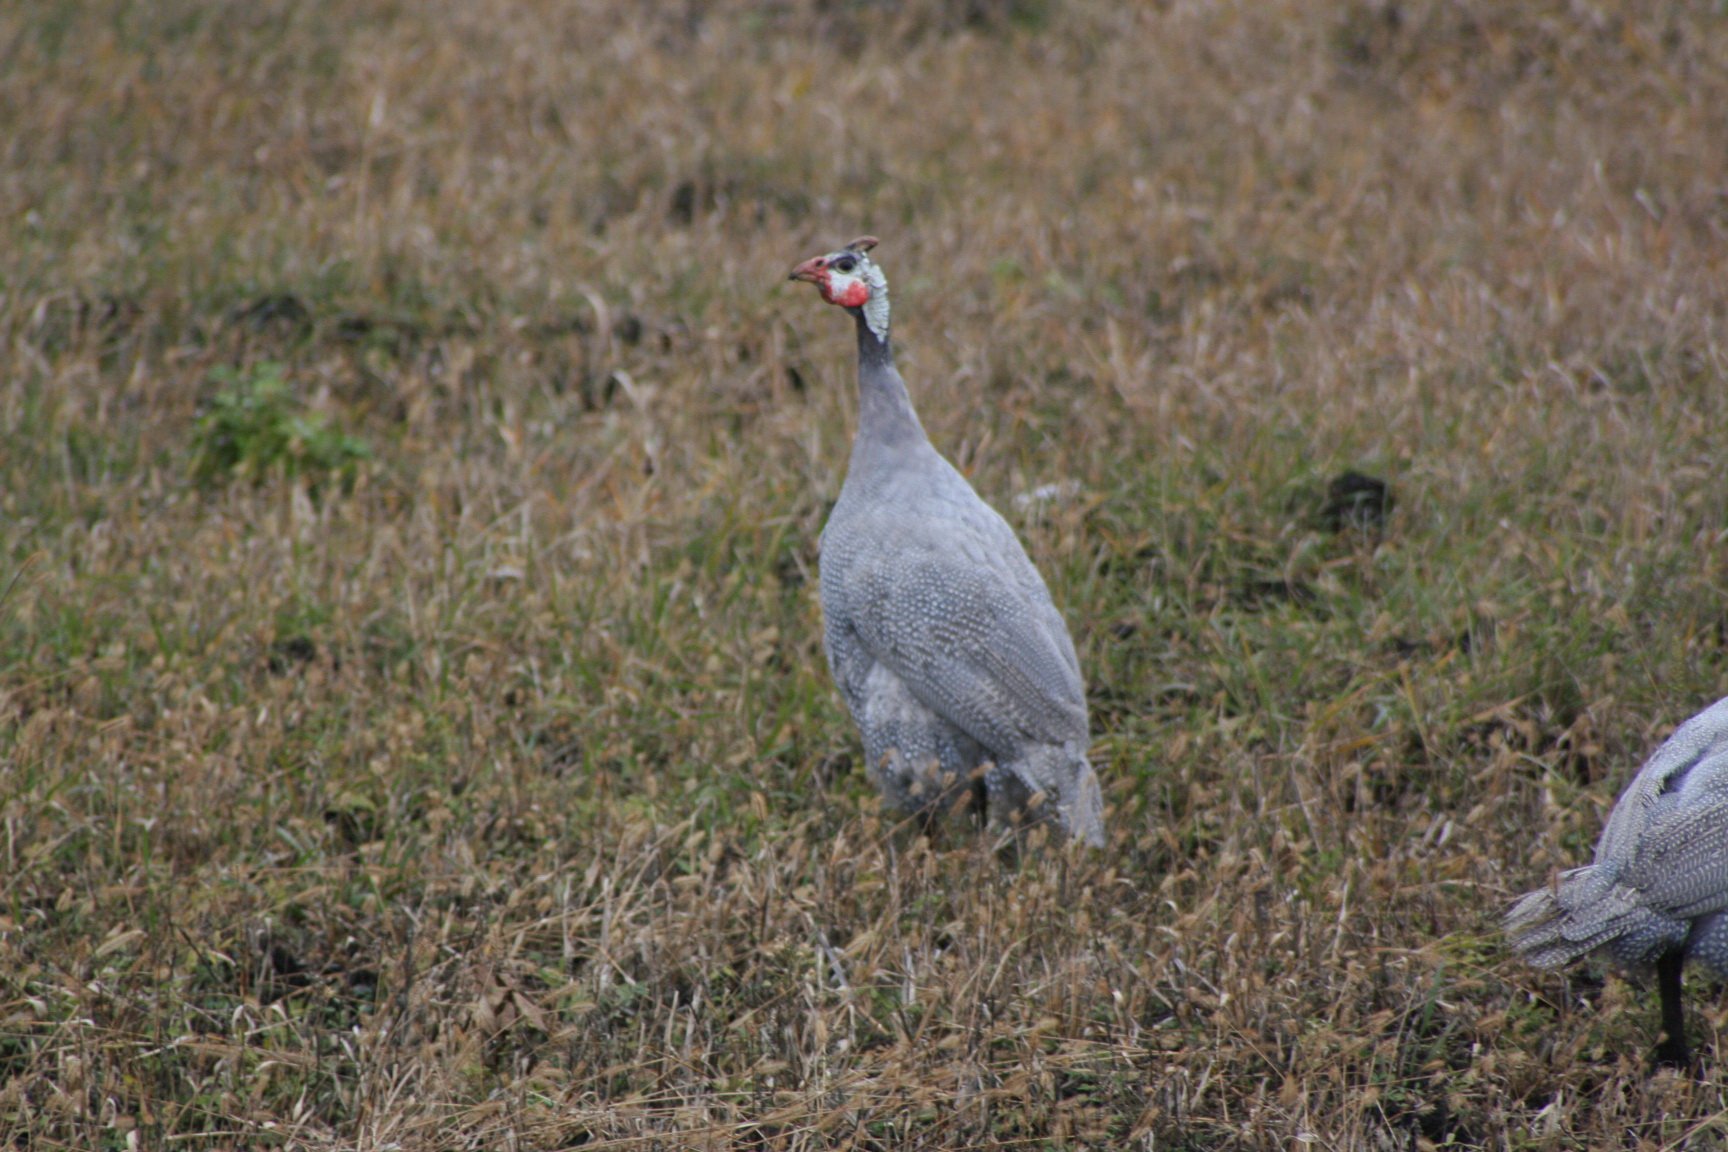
957,668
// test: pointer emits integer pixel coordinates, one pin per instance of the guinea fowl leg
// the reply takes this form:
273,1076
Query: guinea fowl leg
979,806
1672,1051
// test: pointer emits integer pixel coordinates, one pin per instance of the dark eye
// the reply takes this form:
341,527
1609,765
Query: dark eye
846,263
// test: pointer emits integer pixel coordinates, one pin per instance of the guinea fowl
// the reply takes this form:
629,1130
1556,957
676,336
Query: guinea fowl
940,633
1657,894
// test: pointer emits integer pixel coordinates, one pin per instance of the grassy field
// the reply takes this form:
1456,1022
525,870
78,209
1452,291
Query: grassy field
414,731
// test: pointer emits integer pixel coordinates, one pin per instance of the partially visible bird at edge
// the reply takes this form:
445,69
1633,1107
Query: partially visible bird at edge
941,635
1656,896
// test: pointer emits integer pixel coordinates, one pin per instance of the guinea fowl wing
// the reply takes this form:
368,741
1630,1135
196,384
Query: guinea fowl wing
1680,869
949,614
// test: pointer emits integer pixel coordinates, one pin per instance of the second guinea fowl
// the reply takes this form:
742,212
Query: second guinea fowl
940,633
1657,894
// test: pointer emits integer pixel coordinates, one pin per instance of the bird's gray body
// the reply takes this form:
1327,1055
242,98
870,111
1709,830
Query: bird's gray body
941,634
1659,883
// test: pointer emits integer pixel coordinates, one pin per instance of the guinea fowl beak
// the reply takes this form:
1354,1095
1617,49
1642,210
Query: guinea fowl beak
810,270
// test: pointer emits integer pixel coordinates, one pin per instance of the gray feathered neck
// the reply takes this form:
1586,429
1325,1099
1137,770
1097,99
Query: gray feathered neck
886,418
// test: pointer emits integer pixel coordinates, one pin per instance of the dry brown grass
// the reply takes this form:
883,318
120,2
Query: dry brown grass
503,800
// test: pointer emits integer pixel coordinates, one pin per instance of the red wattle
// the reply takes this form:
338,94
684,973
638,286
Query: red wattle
857,293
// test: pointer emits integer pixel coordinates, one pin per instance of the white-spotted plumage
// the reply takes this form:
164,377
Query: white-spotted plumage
939,631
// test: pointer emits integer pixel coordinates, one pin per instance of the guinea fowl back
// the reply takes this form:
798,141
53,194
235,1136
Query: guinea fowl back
939,631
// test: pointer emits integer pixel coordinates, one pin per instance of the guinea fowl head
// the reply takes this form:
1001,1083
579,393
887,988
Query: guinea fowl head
852,280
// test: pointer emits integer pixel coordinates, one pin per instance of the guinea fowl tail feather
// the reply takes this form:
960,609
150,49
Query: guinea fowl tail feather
1535,929
1588,909
1065,777
1084,814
